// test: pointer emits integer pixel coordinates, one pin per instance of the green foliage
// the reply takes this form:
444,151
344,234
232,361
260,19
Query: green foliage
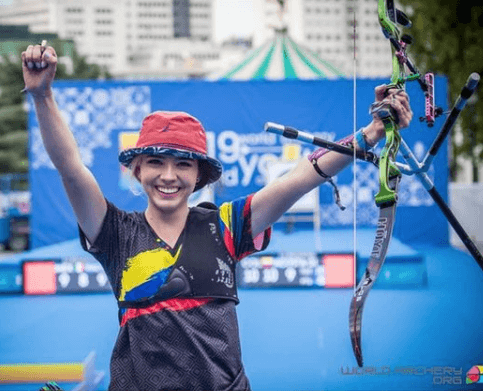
13,117
13,151
13,134
448,39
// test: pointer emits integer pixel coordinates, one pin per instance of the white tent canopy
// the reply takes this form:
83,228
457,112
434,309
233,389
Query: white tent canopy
282,58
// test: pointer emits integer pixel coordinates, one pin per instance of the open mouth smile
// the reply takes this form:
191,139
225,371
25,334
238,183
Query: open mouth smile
167,190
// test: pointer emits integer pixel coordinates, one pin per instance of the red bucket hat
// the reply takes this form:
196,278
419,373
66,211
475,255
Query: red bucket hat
177,134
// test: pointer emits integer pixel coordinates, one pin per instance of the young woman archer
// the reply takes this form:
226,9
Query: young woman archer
172,267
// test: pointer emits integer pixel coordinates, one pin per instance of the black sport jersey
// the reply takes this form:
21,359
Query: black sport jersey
178,343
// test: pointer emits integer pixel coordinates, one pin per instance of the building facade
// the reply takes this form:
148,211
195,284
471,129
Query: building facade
128,35
344,32
165,37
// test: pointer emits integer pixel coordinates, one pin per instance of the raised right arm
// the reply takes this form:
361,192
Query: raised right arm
82,188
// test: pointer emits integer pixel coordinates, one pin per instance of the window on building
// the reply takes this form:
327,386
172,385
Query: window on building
103,33
103,11
72,10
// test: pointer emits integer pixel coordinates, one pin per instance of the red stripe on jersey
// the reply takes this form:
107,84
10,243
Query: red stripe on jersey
247,208
229,242
170,305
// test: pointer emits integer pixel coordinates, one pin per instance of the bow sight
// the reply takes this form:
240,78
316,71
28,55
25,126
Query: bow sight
389,18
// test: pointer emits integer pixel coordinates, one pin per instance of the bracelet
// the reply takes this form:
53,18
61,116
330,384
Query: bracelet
330,180
362,142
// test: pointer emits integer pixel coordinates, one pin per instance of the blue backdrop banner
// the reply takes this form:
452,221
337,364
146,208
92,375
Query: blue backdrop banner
106,116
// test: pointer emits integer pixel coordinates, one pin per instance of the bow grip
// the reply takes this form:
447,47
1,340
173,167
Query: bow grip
386,110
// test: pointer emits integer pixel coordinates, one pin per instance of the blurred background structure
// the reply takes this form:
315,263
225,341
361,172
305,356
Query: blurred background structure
236,39
201,39
176,39
288,61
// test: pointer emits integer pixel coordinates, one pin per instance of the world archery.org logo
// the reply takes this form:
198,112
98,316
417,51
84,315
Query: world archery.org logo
475,374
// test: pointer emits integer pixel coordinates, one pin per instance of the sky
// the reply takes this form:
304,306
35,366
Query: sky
232,17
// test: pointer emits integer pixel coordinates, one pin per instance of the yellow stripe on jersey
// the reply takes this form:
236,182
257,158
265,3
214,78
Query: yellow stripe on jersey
226,214
142,266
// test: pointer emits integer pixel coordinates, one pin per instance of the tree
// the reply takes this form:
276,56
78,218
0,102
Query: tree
13,117
448,39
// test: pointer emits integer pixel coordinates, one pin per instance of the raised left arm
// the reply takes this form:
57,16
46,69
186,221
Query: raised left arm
272,201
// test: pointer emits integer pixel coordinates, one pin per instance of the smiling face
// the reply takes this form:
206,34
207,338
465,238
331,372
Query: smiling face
168,181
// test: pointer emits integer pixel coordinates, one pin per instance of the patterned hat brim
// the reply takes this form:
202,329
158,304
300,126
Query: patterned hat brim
211,173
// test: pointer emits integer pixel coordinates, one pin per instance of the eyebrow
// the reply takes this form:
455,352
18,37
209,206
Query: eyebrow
176,158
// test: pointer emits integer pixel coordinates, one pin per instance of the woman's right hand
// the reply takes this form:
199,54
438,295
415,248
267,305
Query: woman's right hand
39,69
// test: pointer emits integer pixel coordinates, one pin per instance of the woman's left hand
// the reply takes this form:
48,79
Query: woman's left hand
399,101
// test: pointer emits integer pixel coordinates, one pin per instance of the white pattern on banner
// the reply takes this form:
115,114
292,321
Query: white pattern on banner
92,114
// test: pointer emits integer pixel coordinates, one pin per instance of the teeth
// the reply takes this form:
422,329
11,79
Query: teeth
168,190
